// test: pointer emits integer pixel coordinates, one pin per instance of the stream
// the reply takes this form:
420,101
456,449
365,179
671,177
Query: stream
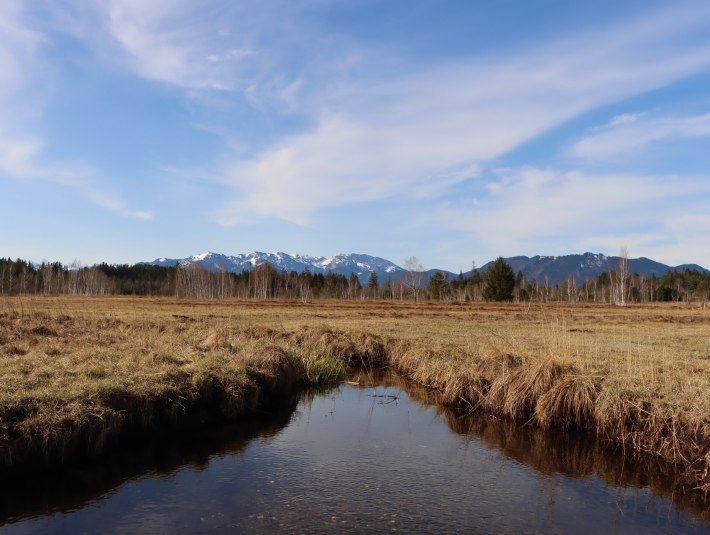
380,456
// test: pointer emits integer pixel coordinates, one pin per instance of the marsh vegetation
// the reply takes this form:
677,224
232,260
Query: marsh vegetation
76,372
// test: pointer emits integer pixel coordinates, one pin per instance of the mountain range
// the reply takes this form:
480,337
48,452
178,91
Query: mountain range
343,264
585,266
555,268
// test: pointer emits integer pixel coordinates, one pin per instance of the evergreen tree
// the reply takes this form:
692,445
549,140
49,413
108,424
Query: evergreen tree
373,285
439,285
499,282
372,282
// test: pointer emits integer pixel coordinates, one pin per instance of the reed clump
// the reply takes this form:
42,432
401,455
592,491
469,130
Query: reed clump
569,403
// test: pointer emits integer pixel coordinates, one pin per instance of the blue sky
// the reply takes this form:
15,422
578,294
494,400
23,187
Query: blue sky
455,131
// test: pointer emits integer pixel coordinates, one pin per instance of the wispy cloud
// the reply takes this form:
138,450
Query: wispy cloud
20,62
165,41
631,133
24,75
381,123
20,159
195,46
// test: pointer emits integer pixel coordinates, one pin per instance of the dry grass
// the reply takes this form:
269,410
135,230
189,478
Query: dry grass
84,367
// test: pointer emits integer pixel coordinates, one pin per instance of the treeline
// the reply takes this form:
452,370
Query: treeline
18,277
499,283
609,287
263,282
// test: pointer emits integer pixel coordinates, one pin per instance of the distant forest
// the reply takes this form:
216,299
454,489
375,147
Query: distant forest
18,277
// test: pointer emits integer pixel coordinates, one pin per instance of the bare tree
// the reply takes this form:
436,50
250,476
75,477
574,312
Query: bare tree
263,277
622,275
572,289
414,276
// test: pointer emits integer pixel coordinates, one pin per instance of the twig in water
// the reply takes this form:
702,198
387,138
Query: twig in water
390,398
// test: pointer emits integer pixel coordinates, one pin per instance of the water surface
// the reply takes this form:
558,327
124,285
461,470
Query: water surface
355,459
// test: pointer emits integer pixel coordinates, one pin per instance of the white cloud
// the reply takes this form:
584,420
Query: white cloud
342,162
16,155
162,43
230,55
626,118
113,203
630,134
383,136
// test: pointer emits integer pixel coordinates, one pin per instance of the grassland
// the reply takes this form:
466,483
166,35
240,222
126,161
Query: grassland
75,371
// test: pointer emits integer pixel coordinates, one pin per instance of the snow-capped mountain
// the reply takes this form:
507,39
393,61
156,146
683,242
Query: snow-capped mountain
343,264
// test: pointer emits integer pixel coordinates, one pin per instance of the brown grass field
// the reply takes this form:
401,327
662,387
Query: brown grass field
75,371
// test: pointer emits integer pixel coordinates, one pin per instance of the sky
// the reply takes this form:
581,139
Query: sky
453,131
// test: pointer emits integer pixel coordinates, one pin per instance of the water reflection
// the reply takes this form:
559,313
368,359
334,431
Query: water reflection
35,490
381,457
570,453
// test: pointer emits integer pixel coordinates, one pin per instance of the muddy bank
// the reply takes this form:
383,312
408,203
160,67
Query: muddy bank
37,488
52,431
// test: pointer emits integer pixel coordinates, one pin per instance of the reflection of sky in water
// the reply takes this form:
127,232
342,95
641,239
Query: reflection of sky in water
353,462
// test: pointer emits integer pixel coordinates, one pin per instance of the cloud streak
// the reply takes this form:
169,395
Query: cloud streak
20,63
631,134
212,45
162,43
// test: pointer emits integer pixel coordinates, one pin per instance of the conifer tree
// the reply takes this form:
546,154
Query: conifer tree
373,285
499,282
